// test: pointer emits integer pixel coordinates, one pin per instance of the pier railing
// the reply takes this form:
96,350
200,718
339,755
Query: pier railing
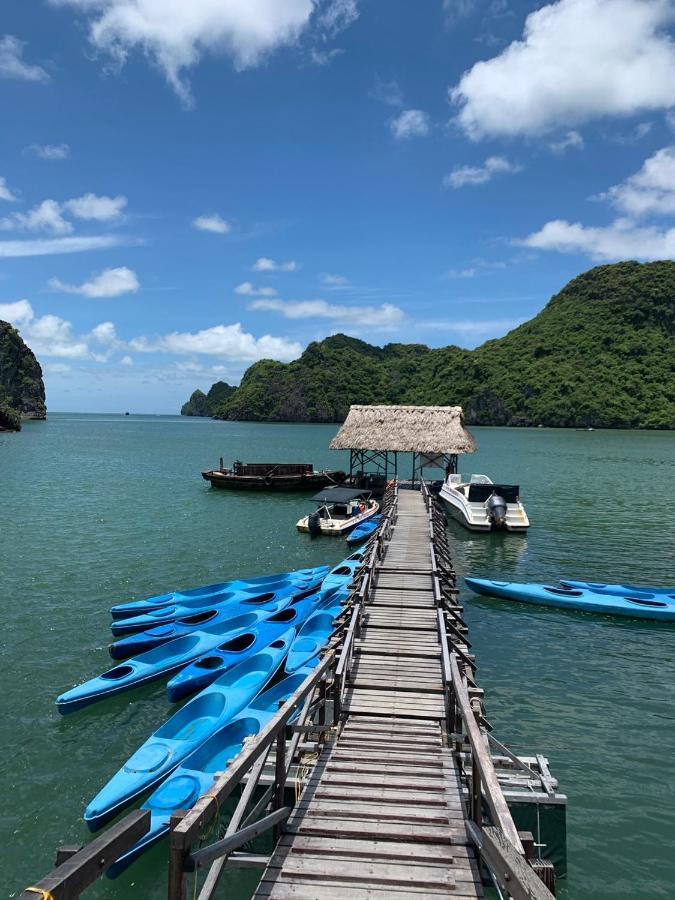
497,841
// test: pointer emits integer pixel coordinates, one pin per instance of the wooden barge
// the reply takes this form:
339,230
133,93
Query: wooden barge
272,477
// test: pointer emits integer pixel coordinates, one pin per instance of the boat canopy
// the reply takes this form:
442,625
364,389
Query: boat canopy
338,495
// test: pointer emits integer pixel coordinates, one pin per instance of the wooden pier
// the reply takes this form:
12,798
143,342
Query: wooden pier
386,746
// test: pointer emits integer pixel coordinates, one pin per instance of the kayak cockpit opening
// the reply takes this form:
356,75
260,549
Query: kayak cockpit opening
199,618
117,673
642,602
564,592
261,598
238,644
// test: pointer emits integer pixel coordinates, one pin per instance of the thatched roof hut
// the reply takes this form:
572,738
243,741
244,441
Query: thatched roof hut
406,429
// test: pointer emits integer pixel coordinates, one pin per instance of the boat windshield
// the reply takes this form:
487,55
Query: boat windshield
480,479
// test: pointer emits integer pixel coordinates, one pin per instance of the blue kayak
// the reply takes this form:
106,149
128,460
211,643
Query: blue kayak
632,606
619,590
206,669
363,531
196,775
215,592
200,614
190,727
134,644
313,636
159,662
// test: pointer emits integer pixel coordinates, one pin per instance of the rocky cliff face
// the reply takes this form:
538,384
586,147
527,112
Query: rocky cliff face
22,391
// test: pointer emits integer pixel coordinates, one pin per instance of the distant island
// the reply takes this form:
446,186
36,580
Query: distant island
600,354
22,390
201,404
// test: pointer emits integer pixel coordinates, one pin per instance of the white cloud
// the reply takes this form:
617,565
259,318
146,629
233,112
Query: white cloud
127,361
105,333
338,15
570,141
493,165
334,281
573,64
410,123
387,92
620,240
46,335
44,217
461,273
58,369
13,66
246,289
51,246
384,316
177,34
651,190
226,341
5,193
109,283
213,223
92,208
264,264
49,151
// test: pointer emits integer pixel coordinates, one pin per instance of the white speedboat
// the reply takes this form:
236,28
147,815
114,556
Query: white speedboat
339,510
481,505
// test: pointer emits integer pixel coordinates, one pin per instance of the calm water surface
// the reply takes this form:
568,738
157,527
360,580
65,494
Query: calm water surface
101,509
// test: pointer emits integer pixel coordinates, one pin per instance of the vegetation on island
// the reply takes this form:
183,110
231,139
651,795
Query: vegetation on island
201,404
22,391
601,353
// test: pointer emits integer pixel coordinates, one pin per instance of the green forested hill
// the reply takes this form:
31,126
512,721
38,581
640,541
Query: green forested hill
201,404
601,353
22,392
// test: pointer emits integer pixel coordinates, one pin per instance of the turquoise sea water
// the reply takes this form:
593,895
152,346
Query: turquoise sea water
101,509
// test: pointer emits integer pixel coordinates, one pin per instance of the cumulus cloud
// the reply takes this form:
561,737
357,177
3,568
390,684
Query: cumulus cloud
410,123
570,141
572,65
384,316
651,190
127,361
264,264
229,342
5,193
387,92
49,152
213,223
109,283
12,64
177,34
337,15
46,335
246,289
92,208
620,240
52,246
493,165
46,216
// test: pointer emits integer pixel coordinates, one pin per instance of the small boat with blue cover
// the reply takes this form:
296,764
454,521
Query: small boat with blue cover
159,662
205,670
364,530
136,643
203,613
196,775
619,590
660,607
190,727
214,592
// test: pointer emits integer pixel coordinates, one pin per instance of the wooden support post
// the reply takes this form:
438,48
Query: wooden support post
279,779
176,889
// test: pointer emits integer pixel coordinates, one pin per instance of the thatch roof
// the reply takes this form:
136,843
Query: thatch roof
410,429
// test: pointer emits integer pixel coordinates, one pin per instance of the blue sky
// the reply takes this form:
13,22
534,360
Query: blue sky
187,188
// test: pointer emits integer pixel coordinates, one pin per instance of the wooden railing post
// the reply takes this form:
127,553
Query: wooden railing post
279,779
177,853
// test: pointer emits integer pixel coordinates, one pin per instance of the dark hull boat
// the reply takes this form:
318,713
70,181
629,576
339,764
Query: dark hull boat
272,477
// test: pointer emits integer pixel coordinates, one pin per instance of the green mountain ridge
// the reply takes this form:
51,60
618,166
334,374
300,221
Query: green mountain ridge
201,404
22,391
601,353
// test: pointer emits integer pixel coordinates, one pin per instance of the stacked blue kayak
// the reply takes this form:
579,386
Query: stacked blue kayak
618,600
232,643
363,531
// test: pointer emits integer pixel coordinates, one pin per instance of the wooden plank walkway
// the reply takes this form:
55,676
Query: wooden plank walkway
383,815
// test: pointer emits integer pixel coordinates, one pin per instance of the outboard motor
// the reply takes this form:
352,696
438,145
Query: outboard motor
496,510
314,523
